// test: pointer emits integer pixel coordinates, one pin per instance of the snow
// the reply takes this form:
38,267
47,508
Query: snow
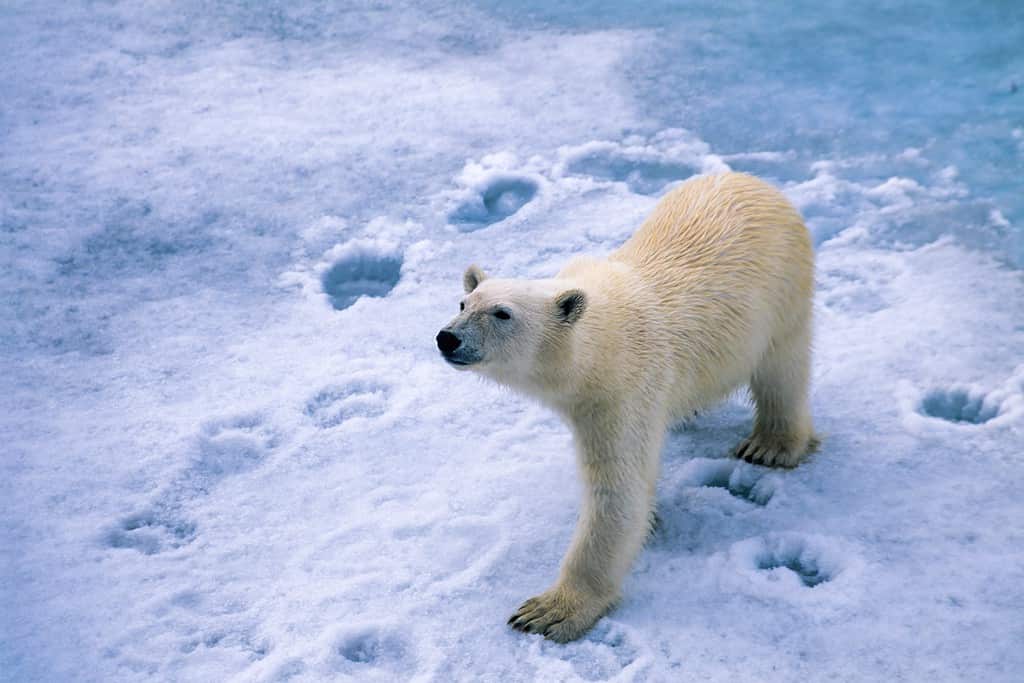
231,231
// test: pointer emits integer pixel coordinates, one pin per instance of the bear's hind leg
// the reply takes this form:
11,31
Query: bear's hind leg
782,428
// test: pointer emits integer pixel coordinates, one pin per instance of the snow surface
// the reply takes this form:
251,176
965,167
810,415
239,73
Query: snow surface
231,230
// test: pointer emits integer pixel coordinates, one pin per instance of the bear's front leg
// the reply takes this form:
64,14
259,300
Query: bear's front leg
613,525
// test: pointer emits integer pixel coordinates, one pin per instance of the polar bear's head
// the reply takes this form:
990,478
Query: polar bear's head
505,326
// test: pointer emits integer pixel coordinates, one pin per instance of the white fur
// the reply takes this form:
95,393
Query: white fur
712,292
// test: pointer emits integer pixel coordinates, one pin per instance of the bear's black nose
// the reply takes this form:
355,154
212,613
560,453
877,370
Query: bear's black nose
447,342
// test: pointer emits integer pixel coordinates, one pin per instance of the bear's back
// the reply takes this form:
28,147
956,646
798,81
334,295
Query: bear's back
718,221
728,265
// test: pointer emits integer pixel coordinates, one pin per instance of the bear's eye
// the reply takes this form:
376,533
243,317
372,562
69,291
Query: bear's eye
502,314
462,305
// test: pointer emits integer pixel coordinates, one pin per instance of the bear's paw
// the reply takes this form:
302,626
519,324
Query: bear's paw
560,614
775,450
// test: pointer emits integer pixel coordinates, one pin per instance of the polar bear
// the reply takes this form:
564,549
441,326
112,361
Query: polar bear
714,291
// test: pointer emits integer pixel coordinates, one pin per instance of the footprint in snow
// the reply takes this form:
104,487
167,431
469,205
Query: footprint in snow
740,480
224,448
603,654
500,197
789,566
288,669
642,174
373,653
231,446
859,292
969,405
151,532
226,640
360,272
782,561
960,405
335,404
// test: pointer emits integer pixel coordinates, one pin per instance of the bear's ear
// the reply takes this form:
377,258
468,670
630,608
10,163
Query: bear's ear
472,278
569,305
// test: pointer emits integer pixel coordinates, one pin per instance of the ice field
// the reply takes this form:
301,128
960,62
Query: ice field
230,232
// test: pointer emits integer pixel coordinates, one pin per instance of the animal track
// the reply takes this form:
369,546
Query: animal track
602,655
333,405
960,405
288,669
361,272
151,532
792,567
739,479
501,196
794,559
232,446
372,651
851,291
643,173
225,447
227,639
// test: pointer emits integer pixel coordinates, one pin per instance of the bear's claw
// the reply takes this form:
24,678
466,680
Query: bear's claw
769,451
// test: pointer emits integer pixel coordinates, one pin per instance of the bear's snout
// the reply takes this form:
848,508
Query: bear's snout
447,342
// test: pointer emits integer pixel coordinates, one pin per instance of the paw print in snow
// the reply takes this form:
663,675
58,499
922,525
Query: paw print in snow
333,405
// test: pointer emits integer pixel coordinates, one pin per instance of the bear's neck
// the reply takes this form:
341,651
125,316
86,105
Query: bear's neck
602,360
